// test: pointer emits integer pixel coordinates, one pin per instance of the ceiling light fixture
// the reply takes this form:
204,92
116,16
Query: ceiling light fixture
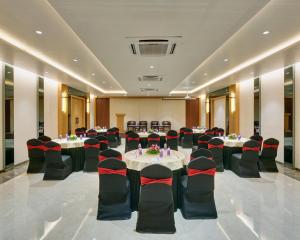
75,60
226,60
151,67
93,74
266,32
205,74
38,32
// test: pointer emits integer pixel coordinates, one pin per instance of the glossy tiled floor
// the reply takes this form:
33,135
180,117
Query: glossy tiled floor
266,208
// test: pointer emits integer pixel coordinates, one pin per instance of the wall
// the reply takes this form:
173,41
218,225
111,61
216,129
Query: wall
297,116
272,108
247,108
219,112
1,118
202,111
92,111
148,109
25,111
51,107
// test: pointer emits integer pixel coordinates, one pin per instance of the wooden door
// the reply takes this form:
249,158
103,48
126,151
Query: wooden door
192,112
77,113
102,112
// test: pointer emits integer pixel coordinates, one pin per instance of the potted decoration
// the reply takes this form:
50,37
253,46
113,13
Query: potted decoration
153,150
73,137
232,136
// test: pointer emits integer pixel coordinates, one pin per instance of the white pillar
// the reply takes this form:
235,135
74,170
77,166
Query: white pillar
2,104
92,110
25,111
247,108
272,108
203,110
297,116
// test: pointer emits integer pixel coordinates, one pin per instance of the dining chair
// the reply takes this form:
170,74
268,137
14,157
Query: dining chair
36,156
91,152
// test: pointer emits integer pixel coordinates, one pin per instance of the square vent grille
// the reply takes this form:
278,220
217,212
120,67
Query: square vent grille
149,89
150,78
153,47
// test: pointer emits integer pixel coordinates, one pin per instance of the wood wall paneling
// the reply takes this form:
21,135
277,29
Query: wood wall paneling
102,112
77,113
234,109
63,124
192,112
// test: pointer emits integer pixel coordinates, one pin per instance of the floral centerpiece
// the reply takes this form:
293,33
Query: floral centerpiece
232,136
73,137
153,150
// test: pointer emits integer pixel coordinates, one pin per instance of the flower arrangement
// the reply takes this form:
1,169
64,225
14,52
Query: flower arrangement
153,150
232,136
73,137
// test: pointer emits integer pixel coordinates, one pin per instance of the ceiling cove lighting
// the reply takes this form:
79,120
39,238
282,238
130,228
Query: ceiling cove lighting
28,49
246,64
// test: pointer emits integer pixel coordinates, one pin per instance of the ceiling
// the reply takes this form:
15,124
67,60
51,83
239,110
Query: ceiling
98,33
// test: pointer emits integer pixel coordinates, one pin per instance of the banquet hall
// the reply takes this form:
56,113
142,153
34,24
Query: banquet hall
138,119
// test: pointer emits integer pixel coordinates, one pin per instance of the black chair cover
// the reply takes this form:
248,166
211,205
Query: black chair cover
57,166
202,152
143,125
172,140
153,139
166,125
114,194
112,138
210,133
156,207
203,141
44,138
215,130
198,190
91,152
79,131
216,146
109,153
268,156
246,164
117,130
132,141
181,130
91,133
220,132
36,156
258,138
187,139
154,125
131,126
103,142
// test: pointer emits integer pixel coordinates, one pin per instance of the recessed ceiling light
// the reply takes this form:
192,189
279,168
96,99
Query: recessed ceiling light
103,82
226,60
266,32
75,60
205,74
93,74
38,32
151,66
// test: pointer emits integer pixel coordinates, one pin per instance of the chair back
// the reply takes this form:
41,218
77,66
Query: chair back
103,141
257,138
53,155
250,152
270,148
220,132
202,152
153,139
143,125
154,124
112,181
181,131
132,141
201,172
79,131
44,139
166,125
111,135
109,153
216,147
188,134
156,174
172,140
91,149
215,130
203,141
35,149
91,133
210,132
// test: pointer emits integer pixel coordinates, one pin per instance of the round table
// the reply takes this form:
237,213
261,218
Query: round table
231,146
135,163
144,135
101,130
75,149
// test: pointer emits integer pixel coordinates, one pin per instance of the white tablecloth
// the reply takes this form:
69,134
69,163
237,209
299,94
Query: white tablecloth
146,134
137,162
101,130
199,131
233,143
71,143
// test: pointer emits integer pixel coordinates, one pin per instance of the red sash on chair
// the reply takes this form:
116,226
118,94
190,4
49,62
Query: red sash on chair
193,172
255,149
103,171
133,139
92,133
202,142
56,148
146,181
104,141
188,133
91,146
40,147
154,139
172,137
192,158
111,133
210,146
274,146
102,158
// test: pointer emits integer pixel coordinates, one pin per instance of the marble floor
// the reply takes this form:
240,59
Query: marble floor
248,209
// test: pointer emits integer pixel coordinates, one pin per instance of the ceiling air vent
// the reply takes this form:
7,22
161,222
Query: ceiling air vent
149,89
151,78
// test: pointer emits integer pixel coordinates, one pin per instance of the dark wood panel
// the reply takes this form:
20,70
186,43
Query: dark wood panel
192,112
102,112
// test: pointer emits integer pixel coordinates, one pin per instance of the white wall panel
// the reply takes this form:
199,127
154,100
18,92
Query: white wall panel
247,108
203,110
92,110
25,111
297,116
148,109
51,107
272,108
220,113
2,116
